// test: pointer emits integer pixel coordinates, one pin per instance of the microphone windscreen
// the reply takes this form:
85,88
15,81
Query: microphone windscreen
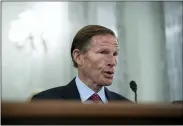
133,86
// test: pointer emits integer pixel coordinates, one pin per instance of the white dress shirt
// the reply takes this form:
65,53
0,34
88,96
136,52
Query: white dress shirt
85,92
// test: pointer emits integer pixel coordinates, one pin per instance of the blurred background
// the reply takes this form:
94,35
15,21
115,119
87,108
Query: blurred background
36,40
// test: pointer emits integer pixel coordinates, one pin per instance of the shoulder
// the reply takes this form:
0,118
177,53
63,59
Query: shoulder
117,97
60,92
53,93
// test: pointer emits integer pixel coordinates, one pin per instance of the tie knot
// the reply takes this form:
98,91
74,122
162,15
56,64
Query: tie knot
95,97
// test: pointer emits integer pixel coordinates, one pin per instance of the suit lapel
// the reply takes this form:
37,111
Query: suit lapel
71,91
109,95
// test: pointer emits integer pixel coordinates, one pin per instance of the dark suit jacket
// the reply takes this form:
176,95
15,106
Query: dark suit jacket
70,92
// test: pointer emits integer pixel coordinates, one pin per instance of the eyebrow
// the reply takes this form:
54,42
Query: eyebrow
116,50
116,44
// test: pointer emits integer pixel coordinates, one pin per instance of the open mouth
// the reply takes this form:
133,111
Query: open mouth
109,74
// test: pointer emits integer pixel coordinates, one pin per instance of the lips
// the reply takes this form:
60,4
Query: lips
108,74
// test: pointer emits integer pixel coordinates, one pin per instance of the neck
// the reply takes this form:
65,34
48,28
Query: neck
88,82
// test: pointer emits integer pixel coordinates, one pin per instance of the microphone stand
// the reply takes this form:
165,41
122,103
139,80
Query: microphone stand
136,96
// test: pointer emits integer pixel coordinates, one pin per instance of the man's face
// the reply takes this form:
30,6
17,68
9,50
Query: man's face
99,61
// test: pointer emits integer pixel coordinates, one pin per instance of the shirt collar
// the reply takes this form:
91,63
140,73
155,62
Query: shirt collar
85,92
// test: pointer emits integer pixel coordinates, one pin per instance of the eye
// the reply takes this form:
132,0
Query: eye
115,54
104,52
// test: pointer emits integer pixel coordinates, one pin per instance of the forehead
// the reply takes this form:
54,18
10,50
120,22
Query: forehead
104,40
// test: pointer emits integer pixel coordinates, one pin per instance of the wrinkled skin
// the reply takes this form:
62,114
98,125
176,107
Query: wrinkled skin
96,67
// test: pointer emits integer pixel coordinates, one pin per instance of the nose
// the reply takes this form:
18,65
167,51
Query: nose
112,61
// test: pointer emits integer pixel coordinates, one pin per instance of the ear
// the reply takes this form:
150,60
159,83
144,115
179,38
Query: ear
77,56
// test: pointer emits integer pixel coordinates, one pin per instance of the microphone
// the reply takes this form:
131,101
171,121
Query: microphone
133,86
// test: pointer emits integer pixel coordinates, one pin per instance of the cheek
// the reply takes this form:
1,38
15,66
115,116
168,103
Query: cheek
94,63
88,65
97,63
91,64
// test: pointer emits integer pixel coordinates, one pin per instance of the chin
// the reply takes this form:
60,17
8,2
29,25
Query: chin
106,83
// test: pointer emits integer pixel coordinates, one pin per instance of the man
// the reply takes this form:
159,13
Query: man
94,50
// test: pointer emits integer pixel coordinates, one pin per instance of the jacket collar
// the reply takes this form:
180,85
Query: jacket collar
73,93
